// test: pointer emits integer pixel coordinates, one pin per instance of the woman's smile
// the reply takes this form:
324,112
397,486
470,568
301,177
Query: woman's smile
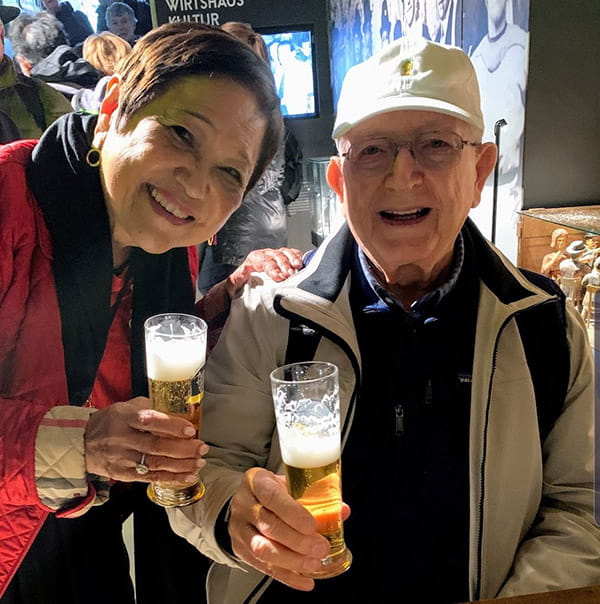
171,209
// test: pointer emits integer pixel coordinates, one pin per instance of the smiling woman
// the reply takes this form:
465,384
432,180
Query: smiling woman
100,224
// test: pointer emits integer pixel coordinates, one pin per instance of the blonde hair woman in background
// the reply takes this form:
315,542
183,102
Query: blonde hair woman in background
104,51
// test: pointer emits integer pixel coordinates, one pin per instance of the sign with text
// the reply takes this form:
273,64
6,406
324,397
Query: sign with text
207,12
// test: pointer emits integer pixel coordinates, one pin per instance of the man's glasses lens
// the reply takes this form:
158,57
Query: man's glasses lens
433,150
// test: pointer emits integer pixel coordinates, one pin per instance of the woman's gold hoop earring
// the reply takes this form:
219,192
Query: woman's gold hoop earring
92,157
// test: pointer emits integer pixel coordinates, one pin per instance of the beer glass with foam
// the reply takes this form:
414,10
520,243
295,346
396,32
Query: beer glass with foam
307,410
175,357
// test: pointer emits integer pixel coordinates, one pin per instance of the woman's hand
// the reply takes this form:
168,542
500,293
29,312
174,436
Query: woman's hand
278,264
118,436
274,533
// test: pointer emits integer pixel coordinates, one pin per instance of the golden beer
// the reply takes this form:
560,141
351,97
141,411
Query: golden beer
177,398
184,399
307,411
175,357
319,491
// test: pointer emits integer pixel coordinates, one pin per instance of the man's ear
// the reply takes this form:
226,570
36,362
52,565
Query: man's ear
24,64
334,176
107,108
485,164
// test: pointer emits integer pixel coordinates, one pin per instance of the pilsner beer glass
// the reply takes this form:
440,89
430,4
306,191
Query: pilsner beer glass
307,410
175,357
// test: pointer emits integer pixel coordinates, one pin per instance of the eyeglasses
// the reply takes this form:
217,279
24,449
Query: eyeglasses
431,150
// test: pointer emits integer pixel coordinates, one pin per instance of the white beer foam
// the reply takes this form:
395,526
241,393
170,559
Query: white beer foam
308,452
173,360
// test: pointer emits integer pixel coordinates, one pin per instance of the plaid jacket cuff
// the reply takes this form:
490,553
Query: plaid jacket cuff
63,485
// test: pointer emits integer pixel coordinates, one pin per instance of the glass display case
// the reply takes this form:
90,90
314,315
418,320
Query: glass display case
325,209
564,244
582,218
537,226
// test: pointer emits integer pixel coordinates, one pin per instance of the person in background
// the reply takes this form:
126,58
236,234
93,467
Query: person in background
104,51
142,11
100,223
466,384
412,21
592,248
42,51
386,25
441,22
75,22
28,104
591,285
551,261
501,57
121,20
501,61
261,219
572,271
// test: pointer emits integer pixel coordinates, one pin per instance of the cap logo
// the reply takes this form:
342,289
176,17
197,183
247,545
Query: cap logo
406,67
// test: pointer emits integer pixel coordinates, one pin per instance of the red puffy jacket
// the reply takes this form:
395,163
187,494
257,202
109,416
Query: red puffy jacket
32,372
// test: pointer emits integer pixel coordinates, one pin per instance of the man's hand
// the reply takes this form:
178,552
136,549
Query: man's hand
274,533
118,436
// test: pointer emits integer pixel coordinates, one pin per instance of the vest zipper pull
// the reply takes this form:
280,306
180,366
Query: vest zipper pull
399,415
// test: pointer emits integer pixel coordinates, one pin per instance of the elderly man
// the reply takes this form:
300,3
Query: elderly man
121,21
41,48
465,384
27,105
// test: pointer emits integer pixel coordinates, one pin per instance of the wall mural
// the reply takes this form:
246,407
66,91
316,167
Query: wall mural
494,33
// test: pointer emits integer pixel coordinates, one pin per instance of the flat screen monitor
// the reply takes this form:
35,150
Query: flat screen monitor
292,56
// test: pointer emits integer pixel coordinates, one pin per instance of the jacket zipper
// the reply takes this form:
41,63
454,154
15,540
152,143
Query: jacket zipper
484,456
399,420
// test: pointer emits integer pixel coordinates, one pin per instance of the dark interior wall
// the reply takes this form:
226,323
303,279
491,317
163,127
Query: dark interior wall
562,115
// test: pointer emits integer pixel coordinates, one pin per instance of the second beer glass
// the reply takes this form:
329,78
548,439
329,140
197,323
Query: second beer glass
175,357
307,409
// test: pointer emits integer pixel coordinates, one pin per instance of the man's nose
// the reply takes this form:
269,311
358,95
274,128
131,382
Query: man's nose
405,172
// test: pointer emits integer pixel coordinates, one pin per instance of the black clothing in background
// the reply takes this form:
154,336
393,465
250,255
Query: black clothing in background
64,70
75,22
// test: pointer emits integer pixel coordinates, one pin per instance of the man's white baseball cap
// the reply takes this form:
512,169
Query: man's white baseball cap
410,73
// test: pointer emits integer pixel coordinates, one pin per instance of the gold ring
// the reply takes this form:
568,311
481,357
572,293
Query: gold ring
141,468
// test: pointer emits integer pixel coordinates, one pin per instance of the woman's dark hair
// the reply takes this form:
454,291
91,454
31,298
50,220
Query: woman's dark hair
175,50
